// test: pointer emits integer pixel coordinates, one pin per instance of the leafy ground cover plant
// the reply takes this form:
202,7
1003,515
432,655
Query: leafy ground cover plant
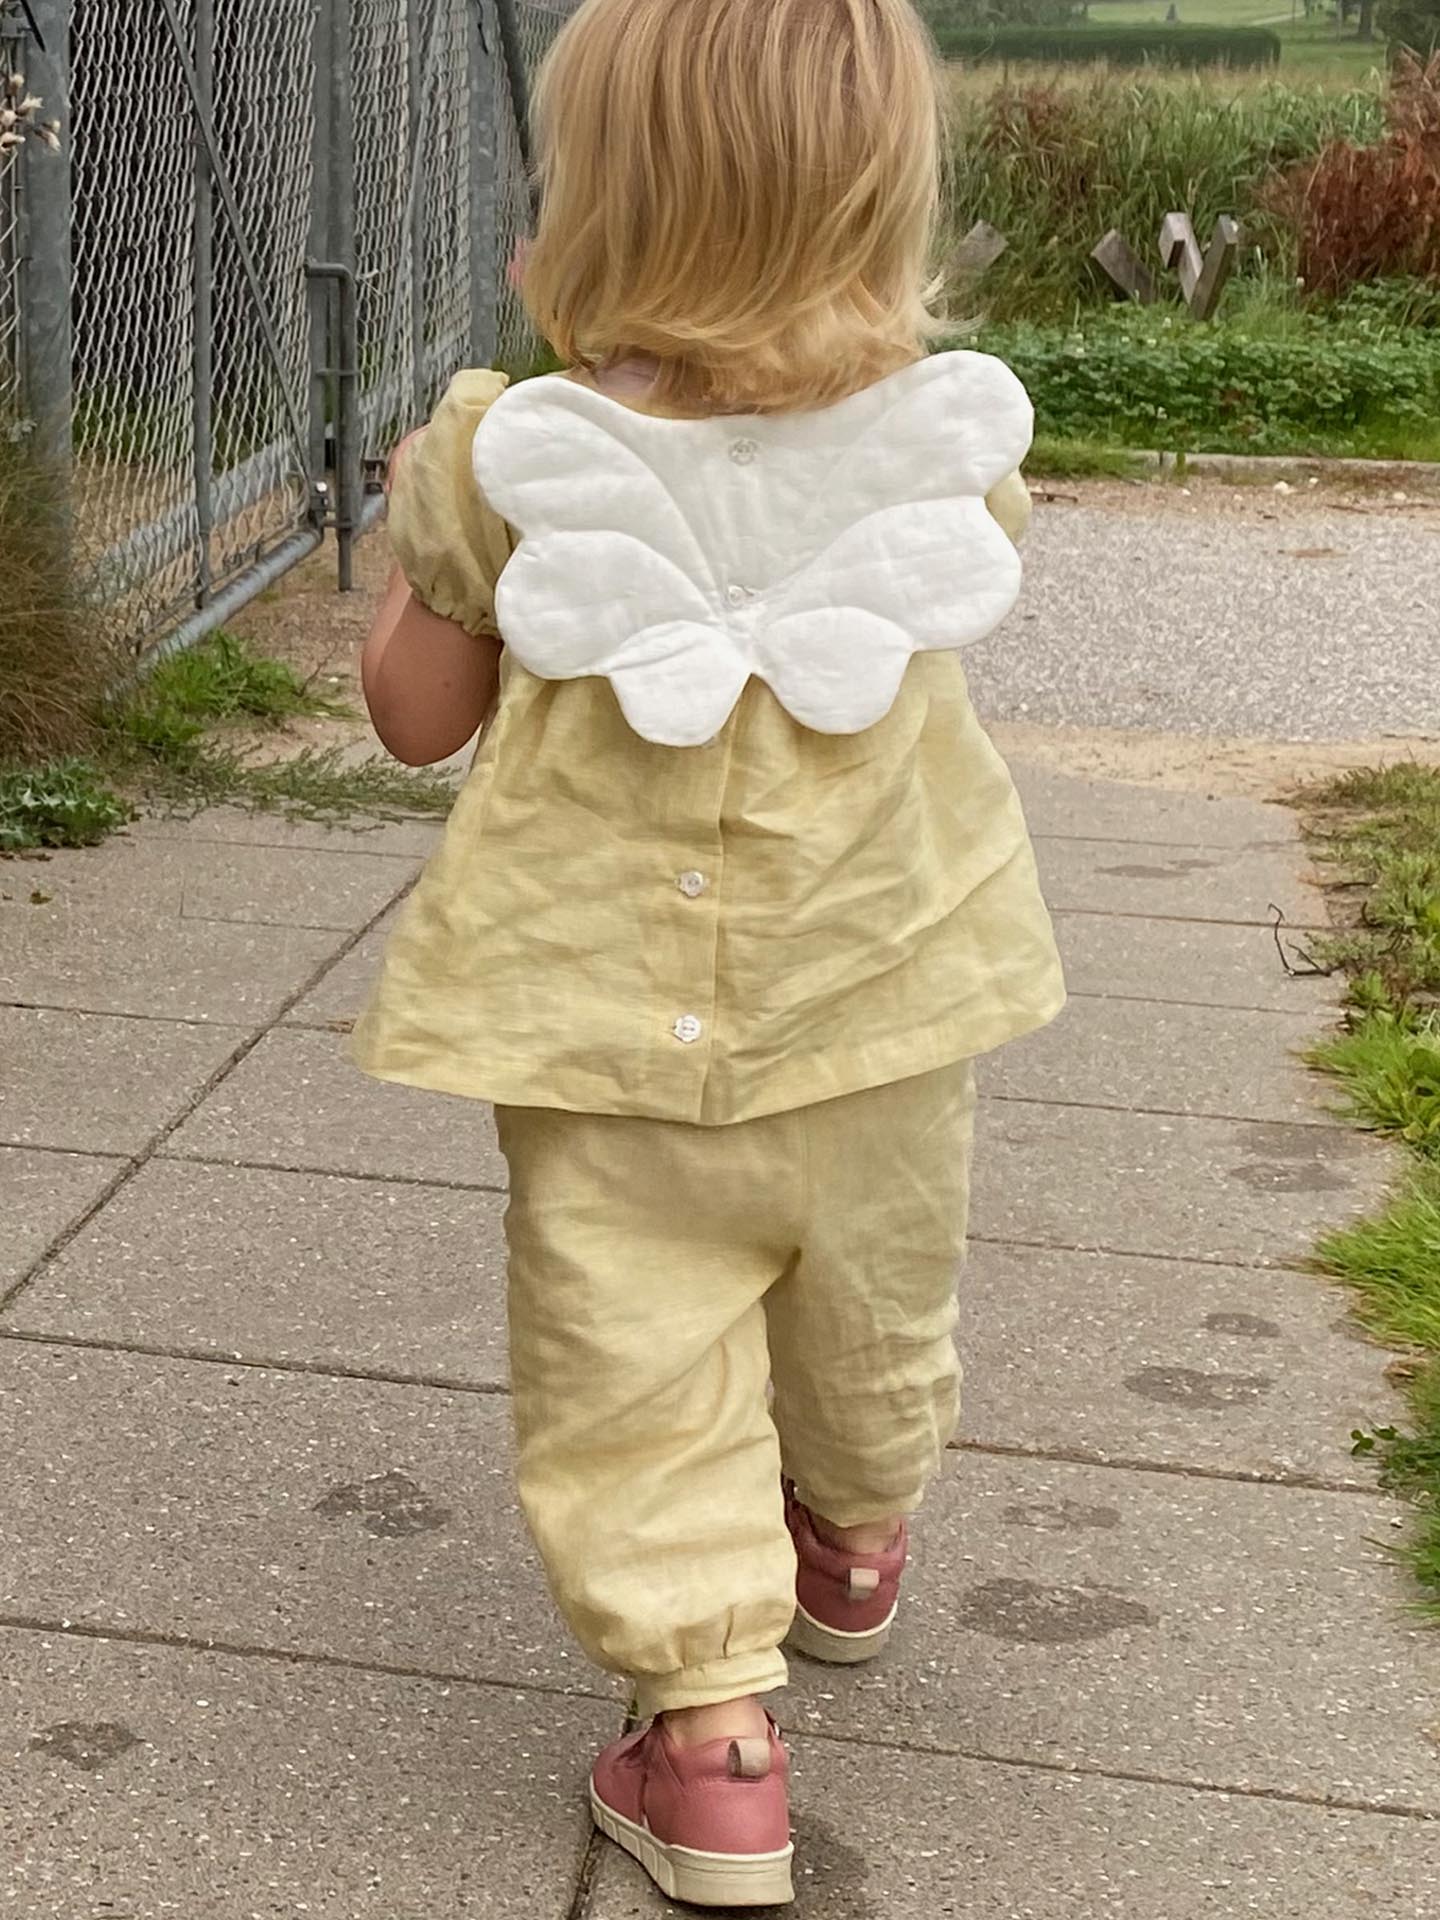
1137,377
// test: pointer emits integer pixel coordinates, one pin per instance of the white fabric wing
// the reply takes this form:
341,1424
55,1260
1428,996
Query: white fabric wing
818,551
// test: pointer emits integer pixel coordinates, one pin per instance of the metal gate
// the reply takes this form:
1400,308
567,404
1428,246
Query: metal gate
274,230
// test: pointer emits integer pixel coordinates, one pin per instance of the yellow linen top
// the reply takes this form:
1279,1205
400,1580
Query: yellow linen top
704,934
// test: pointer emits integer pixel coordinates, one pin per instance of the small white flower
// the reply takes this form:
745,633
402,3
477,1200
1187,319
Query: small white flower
31,105
10,141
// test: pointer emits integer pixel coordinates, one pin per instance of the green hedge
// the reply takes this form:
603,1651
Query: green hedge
1119,46
1141,378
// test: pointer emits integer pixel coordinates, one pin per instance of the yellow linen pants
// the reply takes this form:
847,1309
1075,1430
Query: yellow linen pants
661,1277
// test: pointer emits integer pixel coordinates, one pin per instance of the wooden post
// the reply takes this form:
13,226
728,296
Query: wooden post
1127,273
1220,257
979,250
1202,276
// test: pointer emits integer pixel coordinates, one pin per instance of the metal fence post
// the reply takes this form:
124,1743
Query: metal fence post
484,241
45,315
322,238
417,203
335,425
203,403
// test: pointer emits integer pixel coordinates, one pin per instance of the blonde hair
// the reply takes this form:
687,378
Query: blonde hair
744,189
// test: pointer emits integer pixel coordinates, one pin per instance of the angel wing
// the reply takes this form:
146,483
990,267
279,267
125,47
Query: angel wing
818,551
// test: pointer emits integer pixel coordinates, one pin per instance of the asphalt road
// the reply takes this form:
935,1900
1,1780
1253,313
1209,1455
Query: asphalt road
1250,615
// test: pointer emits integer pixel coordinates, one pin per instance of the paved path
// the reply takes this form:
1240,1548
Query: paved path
271,1644
1282,618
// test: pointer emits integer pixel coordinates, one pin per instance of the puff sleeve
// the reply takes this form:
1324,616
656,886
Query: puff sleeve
1009,505
448,541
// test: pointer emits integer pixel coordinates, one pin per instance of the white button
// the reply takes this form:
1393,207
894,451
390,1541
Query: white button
692,884
737,595
742,452
687,1028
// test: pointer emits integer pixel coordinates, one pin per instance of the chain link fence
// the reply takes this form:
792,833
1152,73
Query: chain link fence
275,230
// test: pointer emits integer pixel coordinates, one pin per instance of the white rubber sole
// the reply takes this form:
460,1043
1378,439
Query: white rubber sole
835,1648
702,1879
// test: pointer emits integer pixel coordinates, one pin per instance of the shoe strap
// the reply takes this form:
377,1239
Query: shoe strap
750,1759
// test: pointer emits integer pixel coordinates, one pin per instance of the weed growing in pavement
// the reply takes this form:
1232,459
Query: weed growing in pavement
170,739
68,803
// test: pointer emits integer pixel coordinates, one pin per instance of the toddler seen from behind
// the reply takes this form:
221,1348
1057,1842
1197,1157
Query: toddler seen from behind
737,888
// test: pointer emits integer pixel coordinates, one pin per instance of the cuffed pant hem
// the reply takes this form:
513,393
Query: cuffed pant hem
708,1686
860,1513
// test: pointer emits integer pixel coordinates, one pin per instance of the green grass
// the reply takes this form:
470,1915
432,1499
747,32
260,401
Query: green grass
1392,1263
183,736
1312,47
1152,378
1389,1068
1379,830
1193,13
1056,458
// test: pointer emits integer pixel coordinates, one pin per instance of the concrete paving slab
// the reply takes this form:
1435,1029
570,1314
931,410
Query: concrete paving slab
1220,1368
148,1781
95,1083
1165,1059
1183,883
1237,1191
288,1268
1153,1624
173,969
40,1194
297,1102
234,827
166,880
1185,962
1072,808
265,1509
340,998
884,1835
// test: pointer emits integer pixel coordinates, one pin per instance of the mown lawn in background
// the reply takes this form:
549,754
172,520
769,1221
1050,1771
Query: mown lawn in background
1314,46
1193,13
1379,832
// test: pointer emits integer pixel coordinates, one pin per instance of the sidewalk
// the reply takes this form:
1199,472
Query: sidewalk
270,1643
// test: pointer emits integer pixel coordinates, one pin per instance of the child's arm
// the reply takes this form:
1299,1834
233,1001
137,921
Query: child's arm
428,683
431,665
1009,504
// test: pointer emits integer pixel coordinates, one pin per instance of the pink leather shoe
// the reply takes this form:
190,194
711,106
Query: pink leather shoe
846,1602
709,1824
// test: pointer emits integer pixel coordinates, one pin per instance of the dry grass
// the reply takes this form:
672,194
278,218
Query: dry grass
1364,213
1055,162
54,662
